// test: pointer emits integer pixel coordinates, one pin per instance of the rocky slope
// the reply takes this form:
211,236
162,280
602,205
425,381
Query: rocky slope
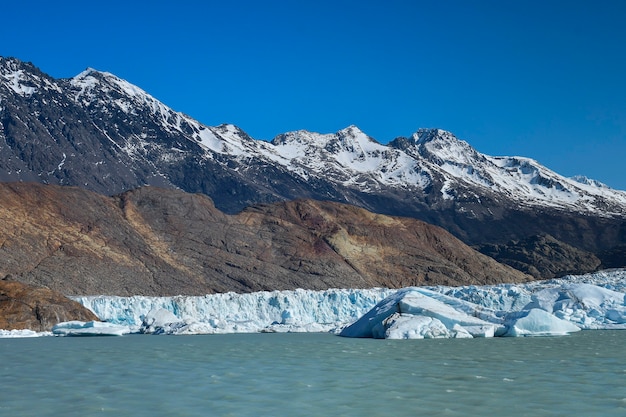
543,256
28,307
154,241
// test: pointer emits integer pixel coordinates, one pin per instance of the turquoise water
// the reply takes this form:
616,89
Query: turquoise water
313,375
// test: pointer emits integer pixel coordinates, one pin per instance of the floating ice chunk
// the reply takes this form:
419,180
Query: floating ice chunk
450,312
364,327
90,328
537,322
457,309
410,314
22,333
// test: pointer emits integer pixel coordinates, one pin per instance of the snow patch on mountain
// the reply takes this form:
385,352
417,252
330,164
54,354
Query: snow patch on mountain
520,179
18,83
349,157
90,84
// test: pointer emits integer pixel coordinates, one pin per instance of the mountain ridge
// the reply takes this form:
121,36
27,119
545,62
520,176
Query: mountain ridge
104,134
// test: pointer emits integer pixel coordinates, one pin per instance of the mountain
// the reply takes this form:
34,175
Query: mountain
101,133
155,241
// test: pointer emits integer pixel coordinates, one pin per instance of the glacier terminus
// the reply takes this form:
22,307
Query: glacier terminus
541,308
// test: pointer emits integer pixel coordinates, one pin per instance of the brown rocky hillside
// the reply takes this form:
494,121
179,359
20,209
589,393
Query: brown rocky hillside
153,241
28,307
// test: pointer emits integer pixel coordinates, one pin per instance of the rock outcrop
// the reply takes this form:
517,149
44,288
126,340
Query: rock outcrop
25,306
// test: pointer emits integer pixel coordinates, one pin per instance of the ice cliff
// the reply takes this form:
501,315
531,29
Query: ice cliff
276,311
555,307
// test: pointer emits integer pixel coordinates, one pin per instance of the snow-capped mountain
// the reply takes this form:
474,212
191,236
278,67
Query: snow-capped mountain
100,132
460,167
350,158
146,130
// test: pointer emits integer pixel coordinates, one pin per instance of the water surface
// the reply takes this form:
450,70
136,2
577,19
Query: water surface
313,375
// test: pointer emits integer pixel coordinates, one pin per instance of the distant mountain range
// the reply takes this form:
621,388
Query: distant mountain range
104,134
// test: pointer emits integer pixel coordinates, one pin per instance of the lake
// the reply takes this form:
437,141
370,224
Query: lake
313,374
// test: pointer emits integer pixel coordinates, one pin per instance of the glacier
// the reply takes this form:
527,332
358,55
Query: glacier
560,306
540,308
266,311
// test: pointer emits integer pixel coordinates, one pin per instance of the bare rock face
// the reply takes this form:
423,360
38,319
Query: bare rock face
543,257
387,251
154,241
25,306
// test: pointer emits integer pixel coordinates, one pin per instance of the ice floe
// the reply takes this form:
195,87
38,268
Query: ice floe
90,328
22,333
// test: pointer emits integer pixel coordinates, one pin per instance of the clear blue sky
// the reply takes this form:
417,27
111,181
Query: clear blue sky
543,79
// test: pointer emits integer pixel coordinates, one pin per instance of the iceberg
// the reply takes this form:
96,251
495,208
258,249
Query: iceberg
90,328
22,333
555,307
537,322
401,316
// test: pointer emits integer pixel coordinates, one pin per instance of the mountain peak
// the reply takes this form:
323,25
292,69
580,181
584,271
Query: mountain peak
86,72
350,134
14,64
438,146
23,78
354,134
430,135
351,130
424,135
89,78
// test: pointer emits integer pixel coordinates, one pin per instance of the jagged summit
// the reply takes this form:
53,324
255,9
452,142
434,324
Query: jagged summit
89,85
439,146
23,78
91,79
424,135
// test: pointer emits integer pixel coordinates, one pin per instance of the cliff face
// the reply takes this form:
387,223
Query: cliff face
153,241
28,307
